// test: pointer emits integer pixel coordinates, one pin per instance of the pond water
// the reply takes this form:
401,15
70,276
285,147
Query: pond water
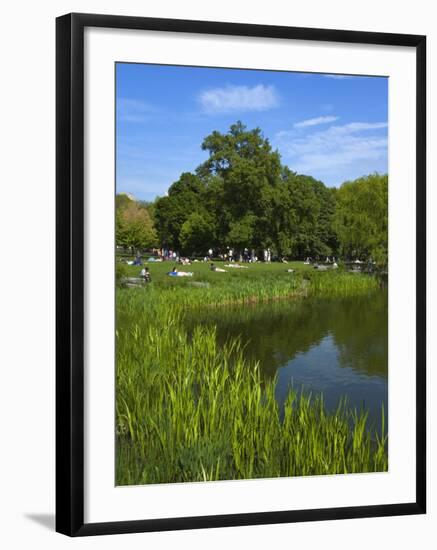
338,347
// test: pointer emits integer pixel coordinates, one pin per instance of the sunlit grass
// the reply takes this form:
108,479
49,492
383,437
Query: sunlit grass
257,283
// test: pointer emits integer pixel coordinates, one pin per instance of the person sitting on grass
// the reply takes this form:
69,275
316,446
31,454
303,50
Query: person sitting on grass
145,275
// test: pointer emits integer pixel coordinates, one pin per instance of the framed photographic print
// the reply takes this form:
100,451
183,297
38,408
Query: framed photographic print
240,274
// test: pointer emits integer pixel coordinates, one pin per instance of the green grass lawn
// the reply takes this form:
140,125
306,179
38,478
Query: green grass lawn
202,272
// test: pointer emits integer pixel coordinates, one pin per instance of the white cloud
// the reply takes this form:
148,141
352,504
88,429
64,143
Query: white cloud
354,127
315,121
133,110
146,187
338,76
335,147
238,98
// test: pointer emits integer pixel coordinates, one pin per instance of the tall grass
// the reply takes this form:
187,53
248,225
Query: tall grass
211,289
340,283
188,410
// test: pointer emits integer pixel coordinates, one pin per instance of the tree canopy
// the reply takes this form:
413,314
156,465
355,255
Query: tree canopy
361,218
133,224
242,196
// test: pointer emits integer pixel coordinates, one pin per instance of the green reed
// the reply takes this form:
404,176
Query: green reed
212,289
189,410
340,283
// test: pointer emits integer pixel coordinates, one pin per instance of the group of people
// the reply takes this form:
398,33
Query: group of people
246,256
168,254
146,276
328,260
184,261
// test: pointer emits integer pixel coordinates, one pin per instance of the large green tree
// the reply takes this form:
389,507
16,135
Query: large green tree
245,170
361,218
241,196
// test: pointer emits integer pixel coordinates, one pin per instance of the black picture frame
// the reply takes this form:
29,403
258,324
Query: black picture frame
70,273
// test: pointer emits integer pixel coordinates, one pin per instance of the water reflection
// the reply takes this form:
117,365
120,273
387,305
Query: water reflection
335,346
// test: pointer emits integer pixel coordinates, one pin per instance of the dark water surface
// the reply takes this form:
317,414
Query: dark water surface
335,346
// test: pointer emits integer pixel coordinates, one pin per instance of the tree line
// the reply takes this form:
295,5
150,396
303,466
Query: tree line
242,196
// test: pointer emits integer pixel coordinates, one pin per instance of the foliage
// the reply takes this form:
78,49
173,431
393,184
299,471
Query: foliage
233,188
241,232
361,218
121,271
184,199
196,231
133,224
304,212
243,197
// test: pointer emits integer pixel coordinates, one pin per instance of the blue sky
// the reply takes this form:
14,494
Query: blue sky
334,128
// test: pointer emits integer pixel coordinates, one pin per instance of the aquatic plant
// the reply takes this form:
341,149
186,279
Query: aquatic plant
189,410
340,283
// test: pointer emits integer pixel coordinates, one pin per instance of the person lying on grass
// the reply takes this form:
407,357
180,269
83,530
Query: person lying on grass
217,269
176,273
237,266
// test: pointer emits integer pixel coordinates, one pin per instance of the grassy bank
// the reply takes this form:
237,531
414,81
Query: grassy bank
188,410
257,283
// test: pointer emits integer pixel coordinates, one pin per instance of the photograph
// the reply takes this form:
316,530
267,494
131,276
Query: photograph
227,215
251,274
